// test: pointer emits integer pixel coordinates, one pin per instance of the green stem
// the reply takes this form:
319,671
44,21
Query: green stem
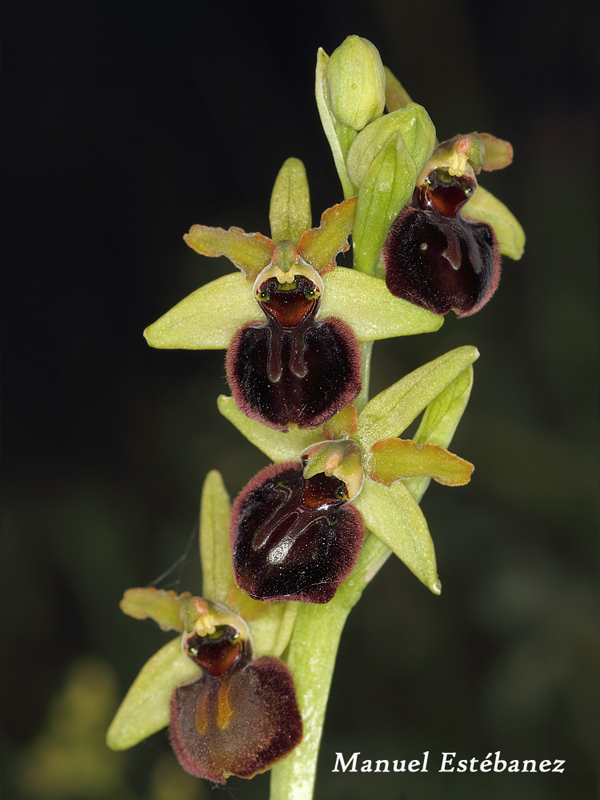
311,659
366,349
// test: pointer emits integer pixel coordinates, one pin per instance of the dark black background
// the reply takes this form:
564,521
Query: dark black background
125,124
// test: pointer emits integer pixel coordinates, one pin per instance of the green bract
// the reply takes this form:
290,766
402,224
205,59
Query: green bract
384,162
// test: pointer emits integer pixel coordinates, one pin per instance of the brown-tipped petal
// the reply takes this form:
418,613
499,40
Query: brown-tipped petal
395,459
291,538
299,375
159,604
498,152
320,246
250,252
240,724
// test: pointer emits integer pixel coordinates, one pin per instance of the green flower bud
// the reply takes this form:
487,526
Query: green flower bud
356,83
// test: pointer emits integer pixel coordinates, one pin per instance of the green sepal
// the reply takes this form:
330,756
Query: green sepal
328,123
365,303
393,515
396,95
146,707
250,252
319,246
384,161
440,421
271,632
483,206
412,124
389,413
395,459
215,550
158,604
276,445
289,213
208,318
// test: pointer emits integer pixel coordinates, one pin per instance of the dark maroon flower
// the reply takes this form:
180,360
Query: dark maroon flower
435,257
294,538
293,368
240,717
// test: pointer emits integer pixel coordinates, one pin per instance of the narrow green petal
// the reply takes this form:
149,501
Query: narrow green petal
250,252
278,446
146,706
395,459
271,631
319,246
391,412
485,207
368,307
440,421
215,551
289,213
394,516
208,318
328,122
158,604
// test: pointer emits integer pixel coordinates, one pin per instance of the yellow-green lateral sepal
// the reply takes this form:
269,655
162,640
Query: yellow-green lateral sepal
289,213
395,459
250,252
319,246
208,318
365,303
146,707
389,413
158,604
276,445
483,206
215,550
392,514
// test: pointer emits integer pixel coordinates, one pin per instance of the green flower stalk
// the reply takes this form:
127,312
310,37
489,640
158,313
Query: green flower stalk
244,685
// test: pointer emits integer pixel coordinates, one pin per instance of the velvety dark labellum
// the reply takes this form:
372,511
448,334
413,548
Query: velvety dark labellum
438,259
294,538
292,368
239,724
